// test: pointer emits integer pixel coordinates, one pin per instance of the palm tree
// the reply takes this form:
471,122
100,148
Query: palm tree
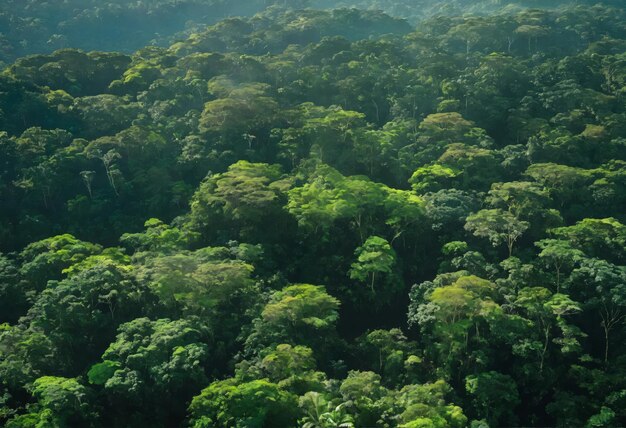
321,413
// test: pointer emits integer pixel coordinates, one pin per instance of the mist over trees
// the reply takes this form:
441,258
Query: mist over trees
312,214
36,26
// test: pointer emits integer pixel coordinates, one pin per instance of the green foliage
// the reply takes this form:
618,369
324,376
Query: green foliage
604,238
321,413
389,353
427,407
495,394
254,404
99,373
329,198
500,227
199,285
300,314
61,402
45,260
241,198
374,257
559,255
431,178
158,237
74,320
13,297
292,368
164,213
152,361
246,109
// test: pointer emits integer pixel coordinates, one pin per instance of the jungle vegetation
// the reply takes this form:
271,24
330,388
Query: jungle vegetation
312,214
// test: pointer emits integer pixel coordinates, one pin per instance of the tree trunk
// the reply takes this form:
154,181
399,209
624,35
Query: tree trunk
606,343
377,111
545,348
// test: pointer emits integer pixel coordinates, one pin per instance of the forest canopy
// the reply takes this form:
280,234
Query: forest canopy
313,214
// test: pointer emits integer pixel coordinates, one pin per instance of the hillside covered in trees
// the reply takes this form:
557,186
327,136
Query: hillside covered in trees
38,26
313,214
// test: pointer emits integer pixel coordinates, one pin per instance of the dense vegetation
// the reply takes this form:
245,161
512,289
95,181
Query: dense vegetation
34,26
37,26
317,218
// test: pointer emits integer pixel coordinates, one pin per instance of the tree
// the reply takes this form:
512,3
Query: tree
449,127
200,284
600,285
292,368
375,256
26,354
87,177
13,296
364,390
244,187
558,254
288,360
261,154
255,404
525,200
246,199
546,311
604,418
332,132
61,402
425,406
80,314
456,314
447,209
531,32
104,114
152,361
300,314
46,259
495,396
321,413
433,178
387,352
436,132
159,237
603,238
500,227
563,183
404,211
477,167
112,171
247,109
329,197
